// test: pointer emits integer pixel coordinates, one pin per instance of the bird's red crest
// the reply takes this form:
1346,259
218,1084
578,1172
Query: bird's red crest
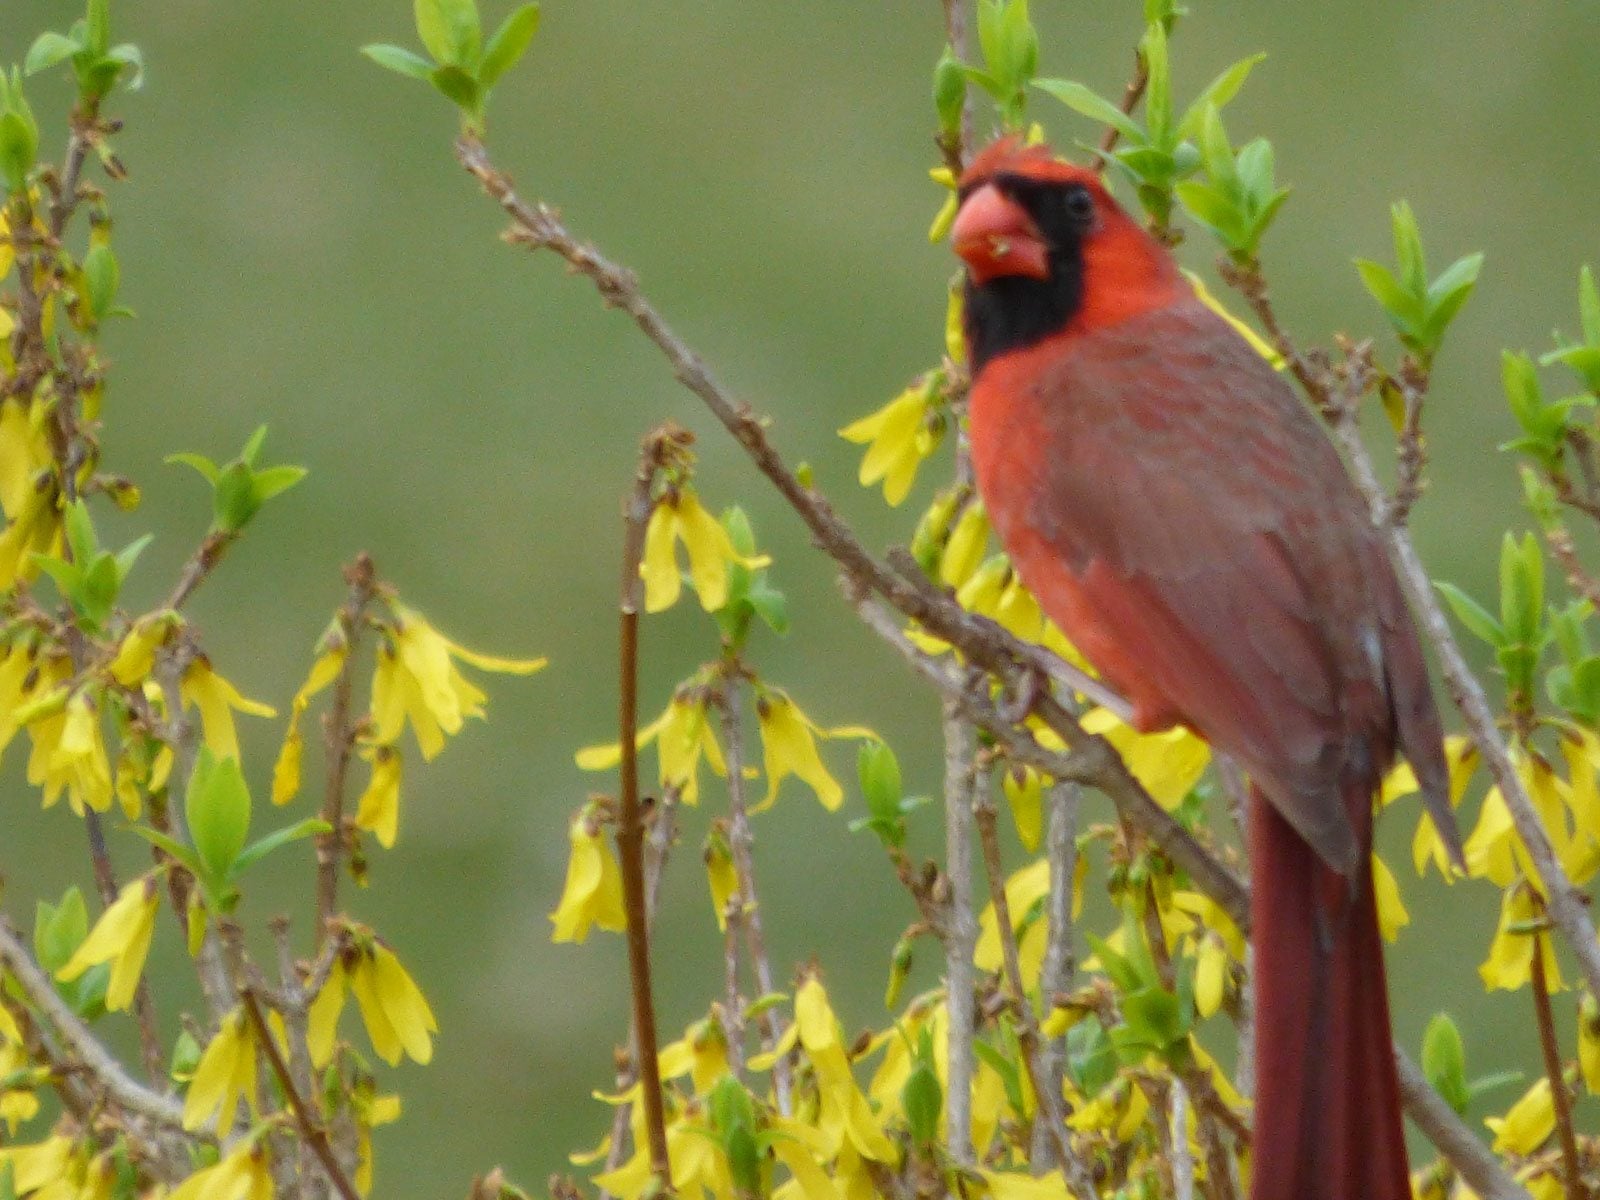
1010,155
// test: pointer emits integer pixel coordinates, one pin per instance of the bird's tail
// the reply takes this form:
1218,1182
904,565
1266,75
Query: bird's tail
1327,1101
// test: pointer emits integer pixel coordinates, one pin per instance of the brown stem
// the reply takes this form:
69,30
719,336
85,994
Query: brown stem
339,742
630,826
1077,1175
742,843
1131,95
1553,1069
307,1114
200,565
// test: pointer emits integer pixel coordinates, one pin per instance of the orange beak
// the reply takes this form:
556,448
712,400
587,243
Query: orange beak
996,237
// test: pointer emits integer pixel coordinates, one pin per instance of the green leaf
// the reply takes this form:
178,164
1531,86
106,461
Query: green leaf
1124,971
771,605
1444,1062
1158,91
208,469
80,532
1521,588
1589,305
449,30
235,502
1471,614
218,811
274,481
1092,105
949,91
1408,249
19,143
399,60
922,1100
97,593
48,50
60,929
97,26
264,846
1492,1082
509,43
1006,1069
1216,94
128,55
180,852
1389,292
101,279
460,88
252,447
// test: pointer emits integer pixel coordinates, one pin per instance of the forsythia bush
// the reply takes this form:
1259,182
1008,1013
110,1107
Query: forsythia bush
1056,1059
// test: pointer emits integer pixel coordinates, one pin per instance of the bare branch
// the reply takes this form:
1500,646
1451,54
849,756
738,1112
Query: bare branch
960,931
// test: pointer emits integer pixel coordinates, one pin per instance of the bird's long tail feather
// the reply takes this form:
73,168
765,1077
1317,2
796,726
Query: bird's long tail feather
1327,1100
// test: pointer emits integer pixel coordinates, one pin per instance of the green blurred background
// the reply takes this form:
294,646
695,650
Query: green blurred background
302,250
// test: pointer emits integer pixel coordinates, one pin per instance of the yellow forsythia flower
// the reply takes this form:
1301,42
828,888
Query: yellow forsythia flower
244,1174
1528,1123
393,1009
371,1111
946,216
682,734
789,747
33,1167
136,654
417,680
898,438
1510,961
1589,1043
720,874
1009,1185
35,528
593,892
286,771
225,1075
701,1054
1392,915
1024,792
379,807
1168,763
121,937
1210,975
217,700
69,753
1024,889
680,517
845,1115
17,1105
964,552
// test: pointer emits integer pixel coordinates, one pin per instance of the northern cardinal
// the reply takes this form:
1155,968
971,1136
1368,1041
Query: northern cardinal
1184,519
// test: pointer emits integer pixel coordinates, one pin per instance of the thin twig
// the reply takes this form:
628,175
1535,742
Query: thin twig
200,565
106,1071
339,740
1131,95
1080,1181
1060,958
1178,1139
741,844
961,932
307,1114
630,825
1556,1073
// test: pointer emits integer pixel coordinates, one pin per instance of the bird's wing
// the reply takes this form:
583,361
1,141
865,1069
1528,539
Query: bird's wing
1209,522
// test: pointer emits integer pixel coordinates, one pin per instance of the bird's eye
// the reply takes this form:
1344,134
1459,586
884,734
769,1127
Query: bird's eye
1080,205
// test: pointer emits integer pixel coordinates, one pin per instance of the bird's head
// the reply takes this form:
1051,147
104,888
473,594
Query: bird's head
1047,248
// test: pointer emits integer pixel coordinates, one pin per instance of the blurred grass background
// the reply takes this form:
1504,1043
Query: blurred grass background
302,250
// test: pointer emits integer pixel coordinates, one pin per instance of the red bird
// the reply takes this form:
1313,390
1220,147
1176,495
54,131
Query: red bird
1183,518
